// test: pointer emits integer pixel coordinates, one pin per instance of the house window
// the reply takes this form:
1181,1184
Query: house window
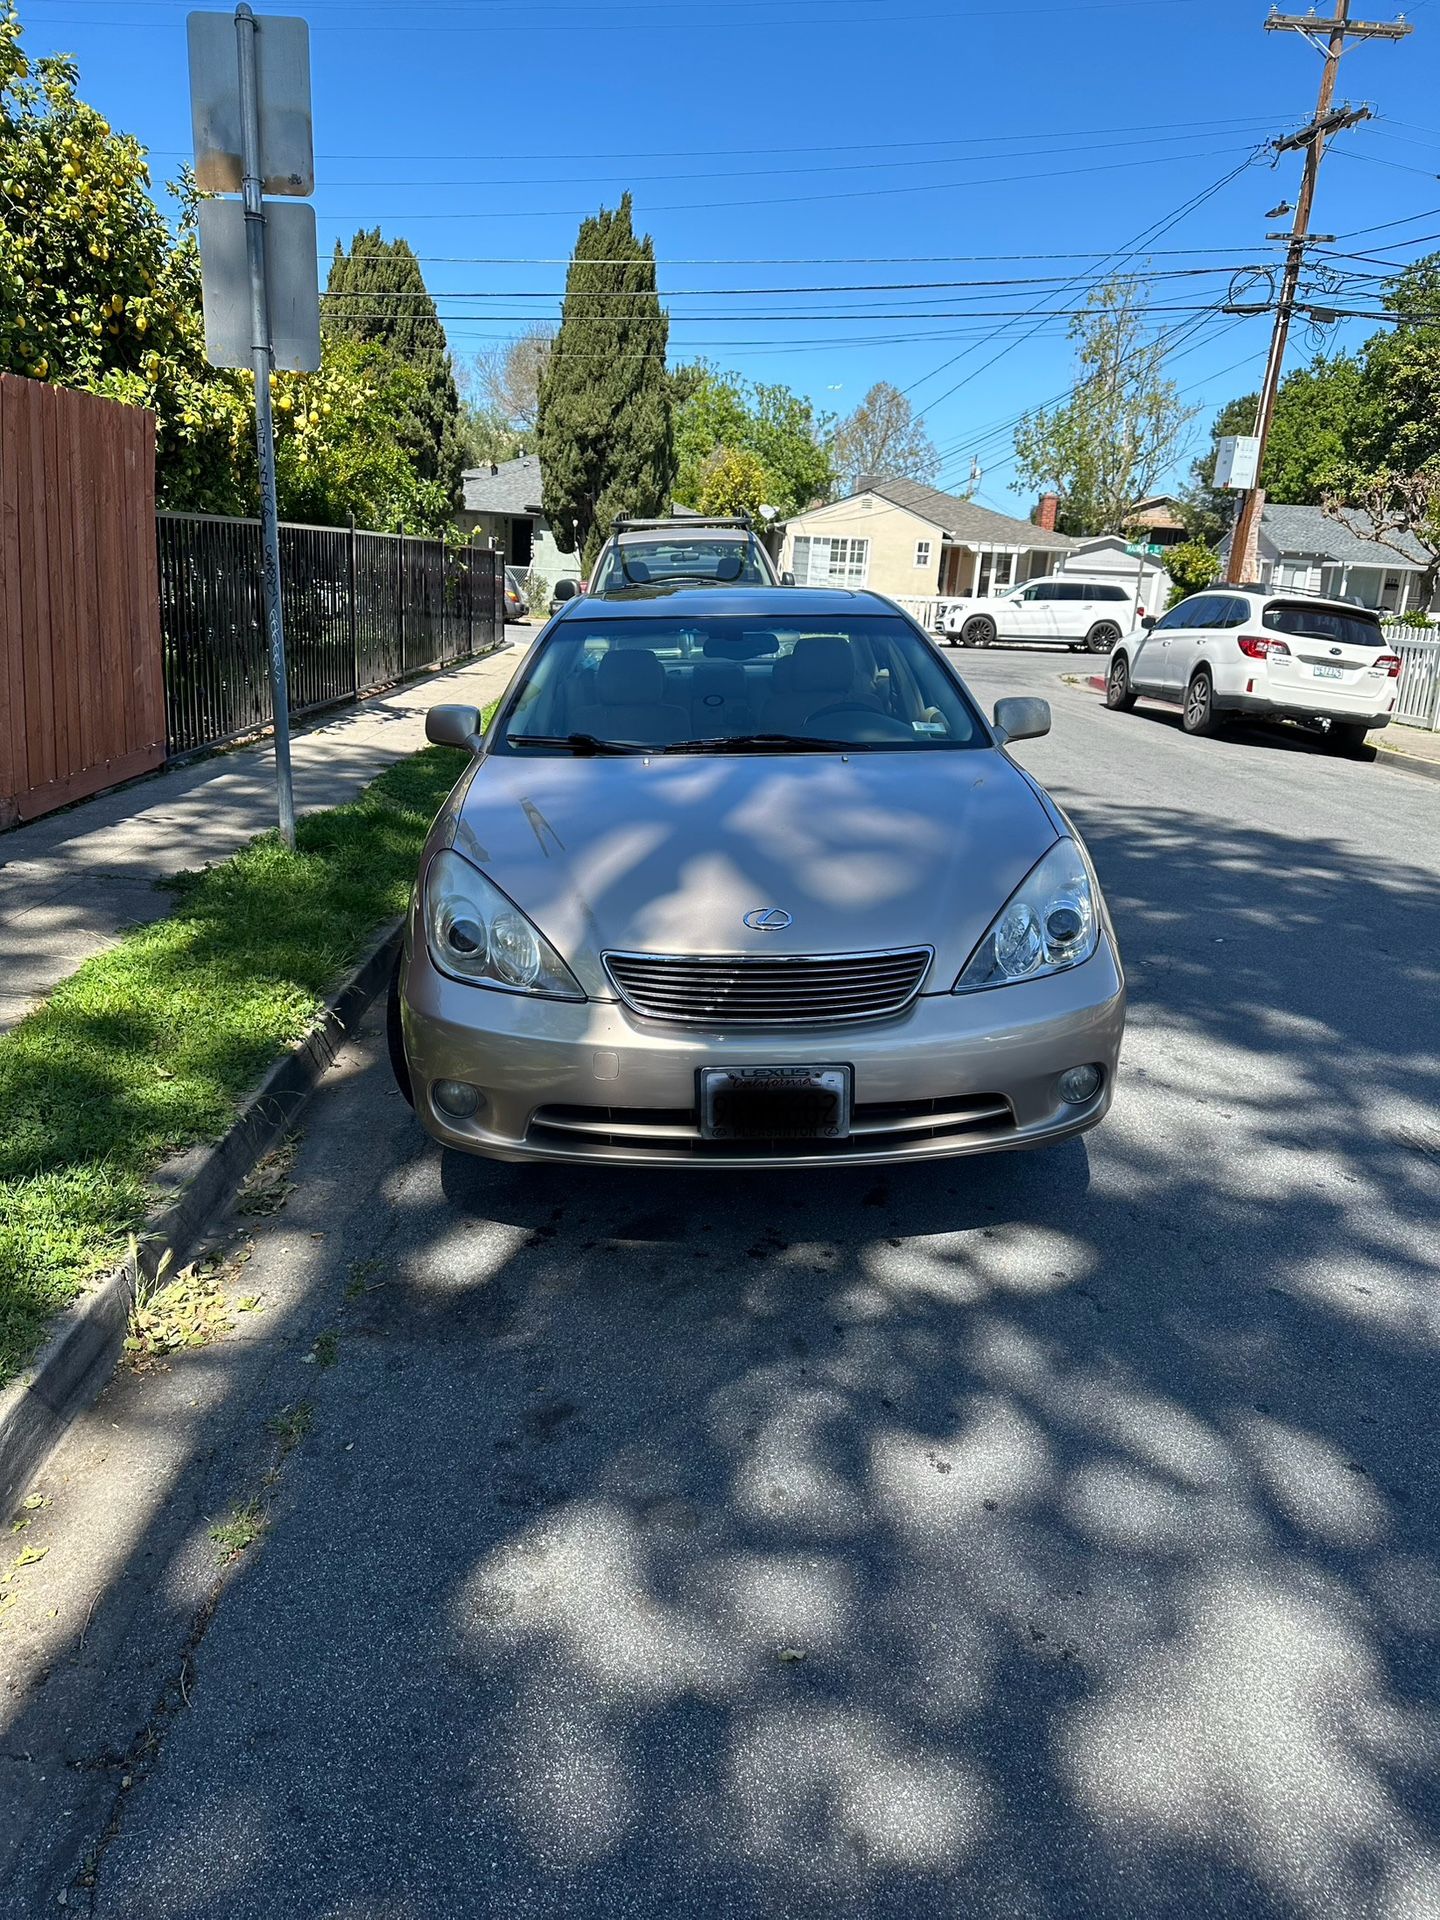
831,562
922,553
1291,573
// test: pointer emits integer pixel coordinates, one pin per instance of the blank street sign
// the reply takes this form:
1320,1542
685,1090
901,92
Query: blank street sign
282,74
292,276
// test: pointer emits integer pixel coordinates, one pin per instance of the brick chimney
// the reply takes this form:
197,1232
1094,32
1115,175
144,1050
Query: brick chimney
1046,511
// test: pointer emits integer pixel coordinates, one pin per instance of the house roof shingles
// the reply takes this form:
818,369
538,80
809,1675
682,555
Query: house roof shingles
514,487
962,519
1309,532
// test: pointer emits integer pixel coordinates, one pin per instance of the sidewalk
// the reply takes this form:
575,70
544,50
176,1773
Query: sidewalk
71,883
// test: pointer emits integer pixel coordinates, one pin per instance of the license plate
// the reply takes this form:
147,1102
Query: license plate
1329,673
775,1103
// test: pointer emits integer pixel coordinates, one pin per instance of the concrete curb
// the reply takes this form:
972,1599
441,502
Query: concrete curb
1384,756
80,1355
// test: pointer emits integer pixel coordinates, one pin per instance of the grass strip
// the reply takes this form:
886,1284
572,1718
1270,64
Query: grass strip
150,1047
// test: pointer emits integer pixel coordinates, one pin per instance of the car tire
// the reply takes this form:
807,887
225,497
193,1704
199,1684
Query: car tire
395,1036
1102,636
1119,694
978,631
1198,715
1347,737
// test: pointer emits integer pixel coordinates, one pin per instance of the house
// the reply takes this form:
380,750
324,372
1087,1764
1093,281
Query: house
1303,549
902,538
1161,519
1105,556
502,505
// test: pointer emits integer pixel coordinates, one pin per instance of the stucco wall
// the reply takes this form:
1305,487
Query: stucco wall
892,532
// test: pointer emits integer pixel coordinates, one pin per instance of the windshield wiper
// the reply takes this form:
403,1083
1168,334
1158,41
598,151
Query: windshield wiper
576,742
765,743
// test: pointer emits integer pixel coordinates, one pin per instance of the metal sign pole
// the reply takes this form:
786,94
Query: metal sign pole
245,30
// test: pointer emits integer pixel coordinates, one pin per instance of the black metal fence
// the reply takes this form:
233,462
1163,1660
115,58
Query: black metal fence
361,610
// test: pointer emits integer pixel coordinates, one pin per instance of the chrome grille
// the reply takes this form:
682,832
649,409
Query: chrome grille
768,990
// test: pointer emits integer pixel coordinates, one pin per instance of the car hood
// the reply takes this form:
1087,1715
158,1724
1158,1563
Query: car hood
667,855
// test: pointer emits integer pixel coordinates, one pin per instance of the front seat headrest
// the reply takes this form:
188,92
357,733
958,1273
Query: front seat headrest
630,678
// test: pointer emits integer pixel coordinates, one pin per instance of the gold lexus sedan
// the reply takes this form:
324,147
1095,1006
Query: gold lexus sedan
744,877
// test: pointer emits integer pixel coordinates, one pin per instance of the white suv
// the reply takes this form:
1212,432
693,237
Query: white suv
1073,613
1251,650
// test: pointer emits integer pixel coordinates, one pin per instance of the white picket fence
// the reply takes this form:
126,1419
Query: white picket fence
1418,704
929,612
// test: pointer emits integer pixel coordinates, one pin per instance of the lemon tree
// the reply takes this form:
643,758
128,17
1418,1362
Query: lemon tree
95,290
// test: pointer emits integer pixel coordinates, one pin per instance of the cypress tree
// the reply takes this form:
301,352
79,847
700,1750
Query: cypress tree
359,307
605,437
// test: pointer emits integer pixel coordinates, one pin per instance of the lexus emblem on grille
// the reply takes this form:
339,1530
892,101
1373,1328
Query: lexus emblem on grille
768,919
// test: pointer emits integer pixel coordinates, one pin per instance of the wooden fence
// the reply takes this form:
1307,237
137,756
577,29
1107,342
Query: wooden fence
82,693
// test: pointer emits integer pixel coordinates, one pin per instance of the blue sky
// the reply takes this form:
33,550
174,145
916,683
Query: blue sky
877,146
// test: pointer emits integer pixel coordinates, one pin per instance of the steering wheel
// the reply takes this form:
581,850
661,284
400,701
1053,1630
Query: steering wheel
890,728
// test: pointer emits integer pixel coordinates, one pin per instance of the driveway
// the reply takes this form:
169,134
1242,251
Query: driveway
1046,1535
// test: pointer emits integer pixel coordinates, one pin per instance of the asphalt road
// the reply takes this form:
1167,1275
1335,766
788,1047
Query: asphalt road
1047,1535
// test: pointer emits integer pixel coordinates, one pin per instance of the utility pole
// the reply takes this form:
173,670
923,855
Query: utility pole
1336,31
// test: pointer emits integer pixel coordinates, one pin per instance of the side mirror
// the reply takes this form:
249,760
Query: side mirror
787,579
1021,718
1148,622
566,589
453,727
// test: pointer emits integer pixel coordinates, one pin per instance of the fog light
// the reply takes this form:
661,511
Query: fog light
1079,1084
455,1098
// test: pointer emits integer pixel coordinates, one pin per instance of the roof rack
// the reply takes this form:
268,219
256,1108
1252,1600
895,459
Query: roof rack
627,523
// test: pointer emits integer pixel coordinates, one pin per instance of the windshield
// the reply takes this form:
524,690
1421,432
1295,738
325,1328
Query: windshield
1324,623
726,684
645,562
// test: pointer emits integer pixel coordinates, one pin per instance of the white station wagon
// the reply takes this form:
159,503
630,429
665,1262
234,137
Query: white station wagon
1248,650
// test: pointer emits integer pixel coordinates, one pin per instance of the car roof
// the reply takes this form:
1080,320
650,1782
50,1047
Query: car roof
780,603
683,532
1296,595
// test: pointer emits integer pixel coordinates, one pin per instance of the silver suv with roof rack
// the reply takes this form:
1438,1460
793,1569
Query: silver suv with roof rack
700,550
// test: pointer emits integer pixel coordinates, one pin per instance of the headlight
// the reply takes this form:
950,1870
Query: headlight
1047,924
475,934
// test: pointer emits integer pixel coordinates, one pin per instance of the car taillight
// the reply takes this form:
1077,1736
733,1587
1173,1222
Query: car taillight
1257,648
1391,664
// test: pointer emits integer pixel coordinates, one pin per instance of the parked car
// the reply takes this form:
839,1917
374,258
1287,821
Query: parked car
517,604
693,551
1252,650
743,876
1073,613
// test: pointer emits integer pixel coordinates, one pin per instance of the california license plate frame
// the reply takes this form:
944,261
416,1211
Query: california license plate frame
776,1103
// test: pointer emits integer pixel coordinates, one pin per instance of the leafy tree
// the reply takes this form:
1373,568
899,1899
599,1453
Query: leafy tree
377,293
1109,444
735,481
95,292
1399,430
883,435
341,443
715,411
1192,566
1317,414
606,438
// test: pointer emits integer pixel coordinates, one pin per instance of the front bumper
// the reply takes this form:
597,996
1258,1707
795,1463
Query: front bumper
584,1082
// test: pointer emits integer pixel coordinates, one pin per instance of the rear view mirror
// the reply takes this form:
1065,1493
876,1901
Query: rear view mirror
1021,718
453,727
566,589
1148,621
787,579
